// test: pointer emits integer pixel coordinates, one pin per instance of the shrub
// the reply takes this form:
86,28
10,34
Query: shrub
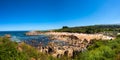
9,51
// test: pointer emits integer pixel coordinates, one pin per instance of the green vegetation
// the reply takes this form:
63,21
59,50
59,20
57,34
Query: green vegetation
102,50
106,29
97,50
9,51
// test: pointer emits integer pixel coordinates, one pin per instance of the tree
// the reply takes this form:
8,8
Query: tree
64,27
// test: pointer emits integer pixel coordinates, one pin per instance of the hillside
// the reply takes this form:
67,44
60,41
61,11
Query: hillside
105,29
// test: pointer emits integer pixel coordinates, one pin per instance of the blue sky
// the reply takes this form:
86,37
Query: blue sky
53,14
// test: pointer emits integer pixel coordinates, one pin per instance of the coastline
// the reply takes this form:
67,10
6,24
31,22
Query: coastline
76,42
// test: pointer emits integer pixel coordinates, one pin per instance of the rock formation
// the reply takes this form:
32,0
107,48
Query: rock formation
76,42
8,35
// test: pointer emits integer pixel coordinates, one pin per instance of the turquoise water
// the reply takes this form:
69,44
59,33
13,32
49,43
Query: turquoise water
19,36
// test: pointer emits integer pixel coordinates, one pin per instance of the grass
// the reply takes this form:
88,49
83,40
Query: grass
9,51
101,50
97,50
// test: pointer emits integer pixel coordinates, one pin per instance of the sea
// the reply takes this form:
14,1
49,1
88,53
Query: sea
19,36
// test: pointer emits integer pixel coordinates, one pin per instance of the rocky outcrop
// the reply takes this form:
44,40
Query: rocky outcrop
58,51
76,42
66,35
80,36
32,33
8,35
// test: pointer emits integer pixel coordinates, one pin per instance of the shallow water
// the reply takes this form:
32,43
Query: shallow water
19,36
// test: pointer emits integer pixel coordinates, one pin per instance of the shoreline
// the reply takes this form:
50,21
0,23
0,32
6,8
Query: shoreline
77,42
